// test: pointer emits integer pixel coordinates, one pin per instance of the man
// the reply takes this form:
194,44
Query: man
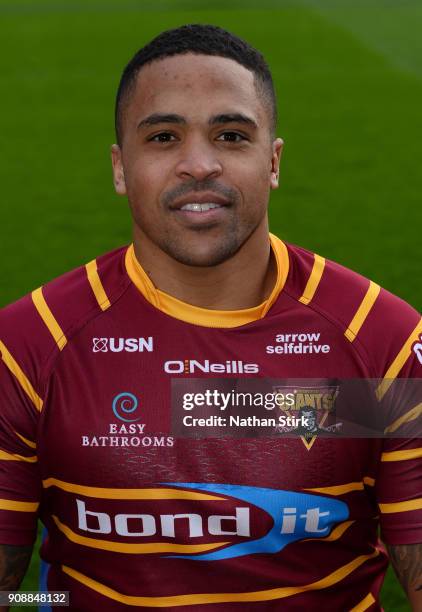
92,361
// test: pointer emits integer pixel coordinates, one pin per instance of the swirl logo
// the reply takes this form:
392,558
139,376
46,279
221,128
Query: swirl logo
125,403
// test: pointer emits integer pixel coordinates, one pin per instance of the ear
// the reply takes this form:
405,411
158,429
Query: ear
277,149
118,172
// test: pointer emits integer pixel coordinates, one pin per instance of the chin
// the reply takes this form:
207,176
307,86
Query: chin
202,258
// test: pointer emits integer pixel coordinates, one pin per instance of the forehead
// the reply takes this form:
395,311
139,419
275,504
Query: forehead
197,86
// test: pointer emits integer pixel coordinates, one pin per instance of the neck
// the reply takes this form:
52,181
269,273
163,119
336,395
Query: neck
243,281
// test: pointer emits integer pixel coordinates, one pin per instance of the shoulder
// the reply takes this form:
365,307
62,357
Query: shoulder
37,327
381,324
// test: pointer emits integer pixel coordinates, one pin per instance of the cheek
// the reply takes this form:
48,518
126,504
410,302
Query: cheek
255,182
144,182
256,170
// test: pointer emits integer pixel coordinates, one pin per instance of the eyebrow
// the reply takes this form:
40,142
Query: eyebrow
233,118
157,118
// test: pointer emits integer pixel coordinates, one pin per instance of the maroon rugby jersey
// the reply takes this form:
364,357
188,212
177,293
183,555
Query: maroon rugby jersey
137,516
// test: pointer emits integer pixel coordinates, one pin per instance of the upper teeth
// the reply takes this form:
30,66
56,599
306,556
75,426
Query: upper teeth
196,207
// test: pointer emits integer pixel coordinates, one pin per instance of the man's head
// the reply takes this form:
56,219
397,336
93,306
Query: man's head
196,156
201,40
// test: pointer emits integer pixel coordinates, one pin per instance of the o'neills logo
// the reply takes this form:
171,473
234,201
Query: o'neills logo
191,366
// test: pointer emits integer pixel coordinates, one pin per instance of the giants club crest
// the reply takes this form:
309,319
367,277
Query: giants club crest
315,406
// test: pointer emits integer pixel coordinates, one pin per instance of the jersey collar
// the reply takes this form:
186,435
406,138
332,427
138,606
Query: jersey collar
203,316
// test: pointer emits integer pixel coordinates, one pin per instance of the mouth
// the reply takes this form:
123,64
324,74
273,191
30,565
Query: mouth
200,207
197,201
201,210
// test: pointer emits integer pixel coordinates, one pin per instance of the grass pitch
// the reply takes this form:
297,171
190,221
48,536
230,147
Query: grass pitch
348,75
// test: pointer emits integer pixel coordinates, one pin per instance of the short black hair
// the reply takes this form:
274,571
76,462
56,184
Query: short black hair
203,40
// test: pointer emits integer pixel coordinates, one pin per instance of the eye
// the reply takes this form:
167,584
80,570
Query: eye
232,137
162,137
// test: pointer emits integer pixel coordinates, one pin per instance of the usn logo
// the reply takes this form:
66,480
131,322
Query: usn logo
128,345
417,349
290,517
190,366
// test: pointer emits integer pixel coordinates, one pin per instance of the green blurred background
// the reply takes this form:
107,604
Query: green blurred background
348,75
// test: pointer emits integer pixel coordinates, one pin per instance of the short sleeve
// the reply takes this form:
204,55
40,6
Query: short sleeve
19,477
399,479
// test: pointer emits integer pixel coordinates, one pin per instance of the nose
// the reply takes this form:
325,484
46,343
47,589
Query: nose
198,160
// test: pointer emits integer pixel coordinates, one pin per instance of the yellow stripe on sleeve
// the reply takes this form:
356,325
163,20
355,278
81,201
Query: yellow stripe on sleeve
363,311
17,506
314,279
364,604
403,455
27,442
409,416
96,285
18,373
48,318
404,506
13,457
196,599
398,362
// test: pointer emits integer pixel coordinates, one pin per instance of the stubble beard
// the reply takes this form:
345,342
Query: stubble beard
219,243
215,250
